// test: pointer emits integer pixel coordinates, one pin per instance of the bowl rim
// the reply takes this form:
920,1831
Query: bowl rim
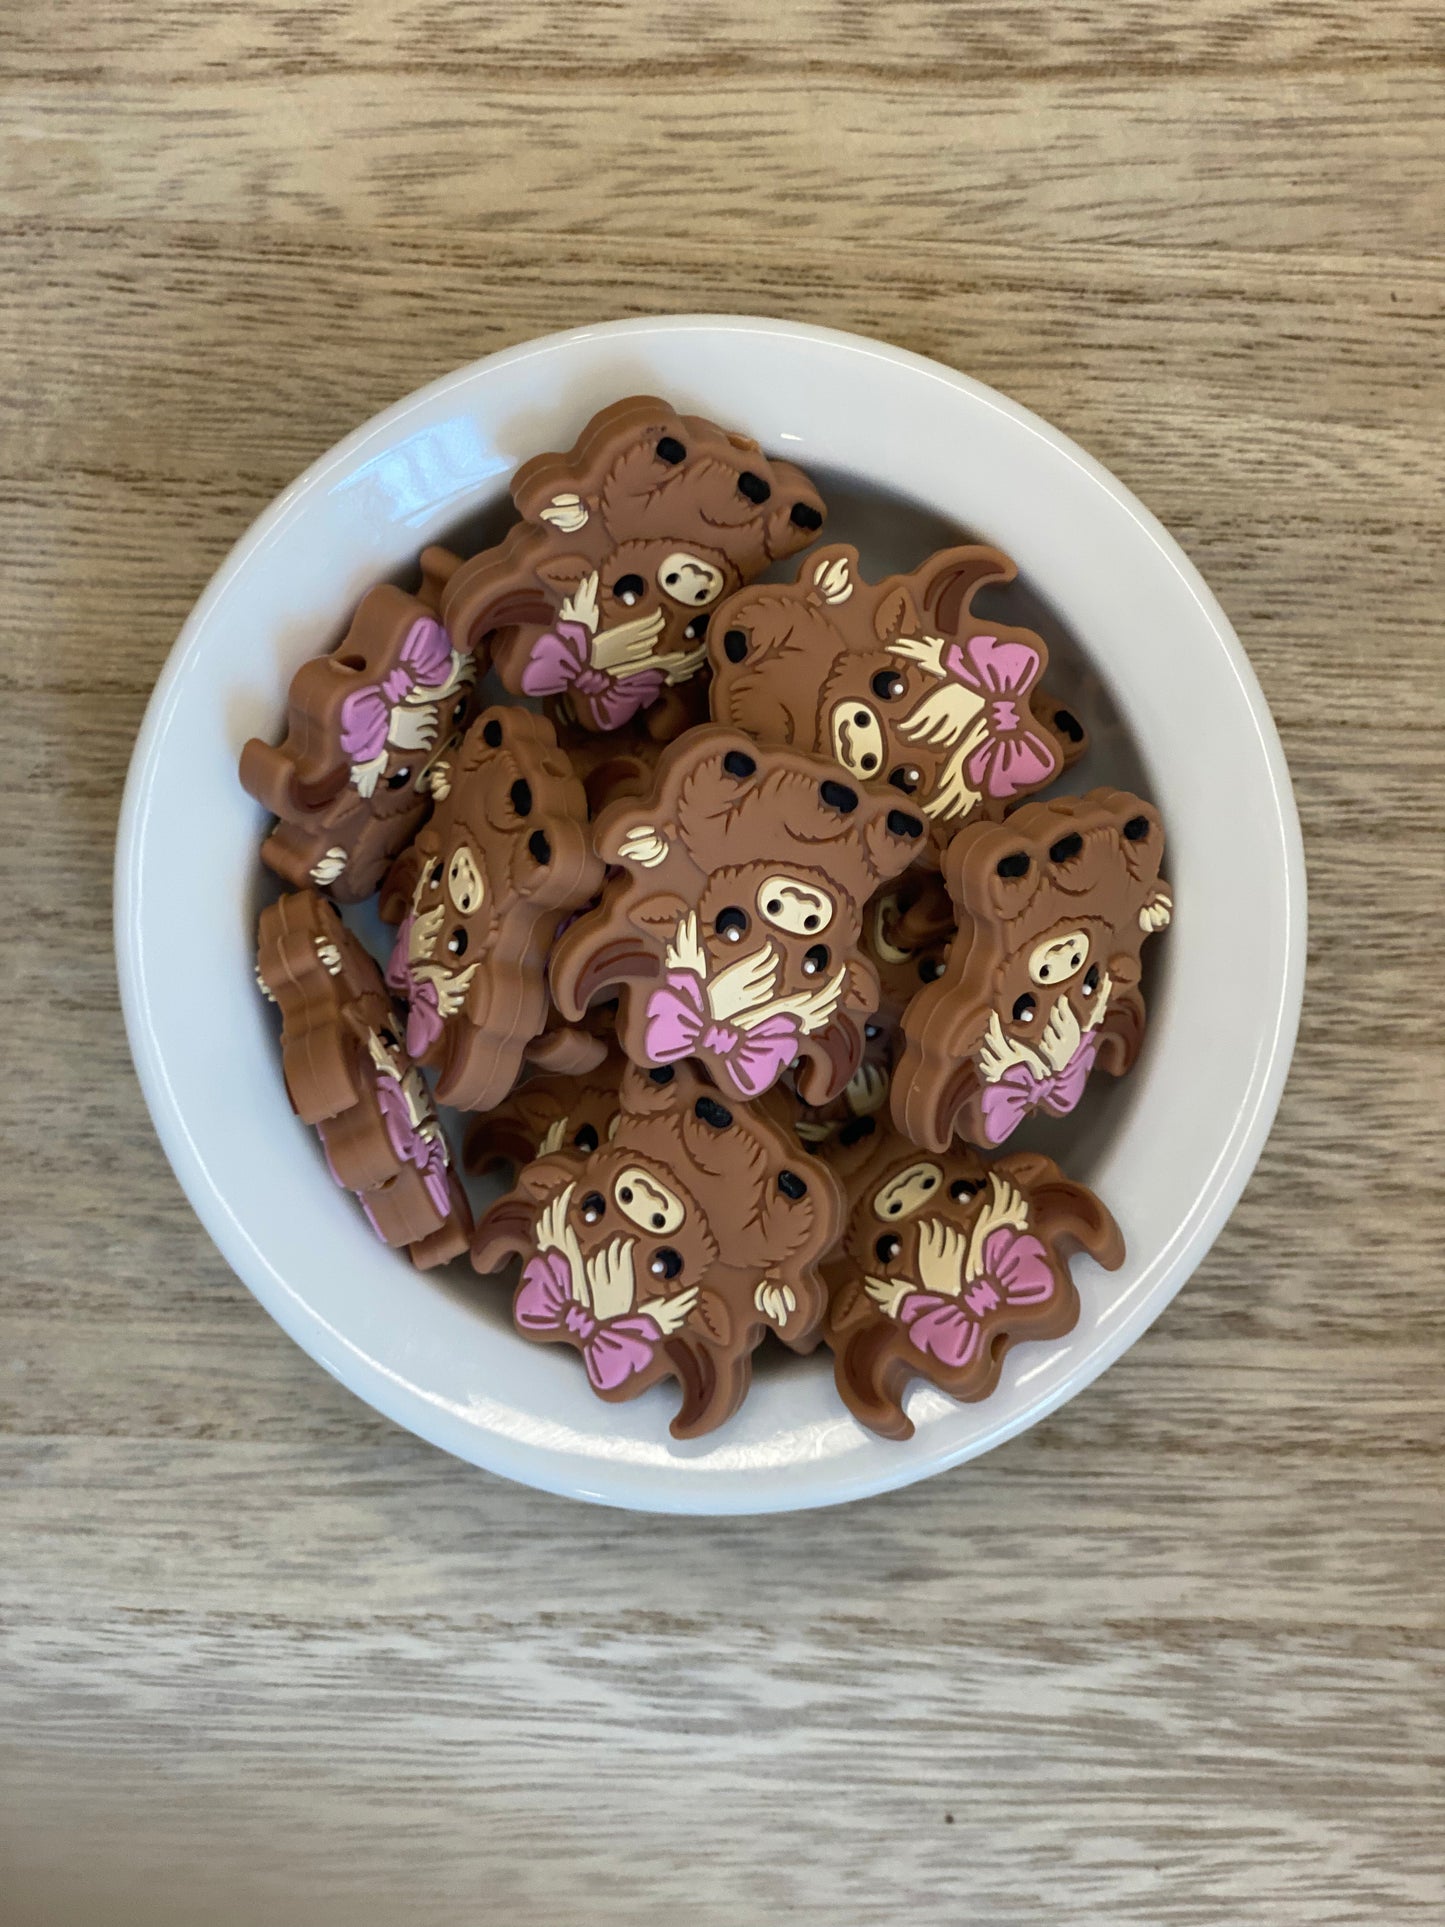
395,1399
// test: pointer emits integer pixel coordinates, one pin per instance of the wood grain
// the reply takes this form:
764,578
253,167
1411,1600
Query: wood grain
1177,1655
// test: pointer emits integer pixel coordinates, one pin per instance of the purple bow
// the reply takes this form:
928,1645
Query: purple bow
1011,756
425,663
678,1025
428,1154
561,659
423,1014
1016,1271
1021,1090
612,1348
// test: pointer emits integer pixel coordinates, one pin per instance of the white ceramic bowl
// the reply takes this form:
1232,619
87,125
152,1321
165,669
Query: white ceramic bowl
910,455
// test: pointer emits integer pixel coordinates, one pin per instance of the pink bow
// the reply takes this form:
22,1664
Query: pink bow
560,660
425,663
1021,1090
612,1348
428,1154
1011,757
1016,1271
423,1015
678,1025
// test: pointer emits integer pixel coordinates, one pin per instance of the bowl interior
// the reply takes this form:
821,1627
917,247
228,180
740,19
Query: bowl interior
910,458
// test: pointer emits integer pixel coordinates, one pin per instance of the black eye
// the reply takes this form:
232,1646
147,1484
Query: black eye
457,942
802,516
1066,847
585,1138
887,1248
872,1032
731,923
1137,828
736,764
399,779
666,1263
459,709
929,970
753,486
1024,1008
900,823
387,1038
964,1187
696,629
539,848
838,796
857,1128
492,734
711,1112
594,1206
815,960
888,685
1016,865
792,1186
1091,980
905,779
434,881
671,451
663,1074
735,645
522,798
629,589
1068,724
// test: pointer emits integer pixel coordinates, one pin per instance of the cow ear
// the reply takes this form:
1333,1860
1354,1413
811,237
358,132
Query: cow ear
896,615
563,572
659,915
714,1317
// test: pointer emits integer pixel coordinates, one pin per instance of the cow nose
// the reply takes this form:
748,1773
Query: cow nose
689,580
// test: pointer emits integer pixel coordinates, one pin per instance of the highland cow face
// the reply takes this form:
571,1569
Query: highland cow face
1075,917
483,887
652,598
1064,981
918,1202
879,724
785,933
1056,902
895,681
946,1262
670,1249
477,861
422,732
740,885
639,1229
604,591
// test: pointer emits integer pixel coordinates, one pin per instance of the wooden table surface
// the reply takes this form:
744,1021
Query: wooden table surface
1176,1655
